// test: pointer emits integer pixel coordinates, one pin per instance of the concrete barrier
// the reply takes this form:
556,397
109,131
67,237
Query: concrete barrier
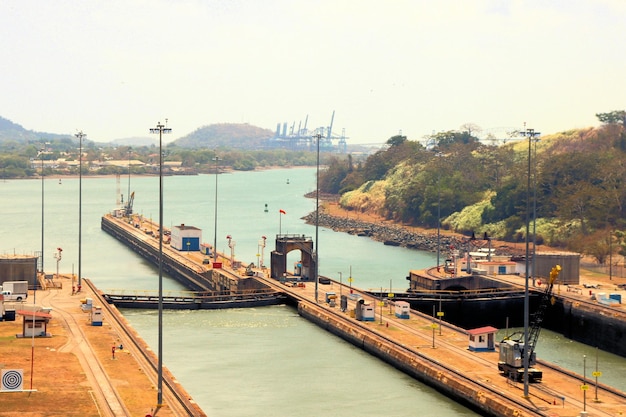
436,375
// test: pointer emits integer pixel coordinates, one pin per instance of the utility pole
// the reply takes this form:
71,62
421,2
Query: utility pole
80,135
317,137
216,159
160,129
530,133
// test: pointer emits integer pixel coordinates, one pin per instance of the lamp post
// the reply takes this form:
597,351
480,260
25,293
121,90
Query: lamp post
438,155
160,129
535,140
216,159
128,195
80,135
42,211
317,137
585,386
531,134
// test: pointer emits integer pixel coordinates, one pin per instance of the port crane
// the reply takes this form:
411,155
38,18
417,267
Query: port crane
129,204
512,349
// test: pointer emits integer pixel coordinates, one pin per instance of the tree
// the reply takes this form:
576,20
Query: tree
396,140
613,117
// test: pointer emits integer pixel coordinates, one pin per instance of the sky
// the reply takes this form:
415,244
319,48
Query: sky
115,68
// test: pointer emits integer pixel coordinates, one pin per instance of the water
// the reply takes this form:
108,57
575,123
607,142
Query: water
265,361
557,349
270,361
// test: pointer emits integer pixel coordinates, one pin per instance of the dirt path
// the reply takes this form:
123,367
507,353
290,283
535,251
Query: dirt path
74,372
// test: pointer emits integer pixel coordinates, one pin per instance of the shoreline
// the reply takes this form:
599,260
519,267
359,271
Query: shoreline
222,170
391,233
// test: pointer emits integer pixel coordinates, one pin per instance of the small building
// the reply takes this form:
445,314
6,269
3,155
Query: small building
18,268
96,316
403,309
497,267
364,311
569,262
35,323
482,339
186,238
205,249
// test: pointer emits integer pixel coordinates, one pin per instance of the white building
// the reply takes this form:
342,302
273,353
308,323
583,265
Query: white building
186,238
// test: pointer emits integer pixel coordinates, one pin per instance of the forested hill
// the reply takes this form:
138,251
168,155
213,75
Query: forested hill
232,135
13,132
577,185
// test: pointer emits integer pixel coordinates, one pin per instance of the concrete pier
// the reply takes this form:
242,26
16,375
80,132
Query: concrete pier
419,347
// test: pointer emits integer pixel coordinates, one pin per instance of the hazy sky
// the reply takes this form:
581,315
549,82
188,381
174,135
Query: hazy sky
113,69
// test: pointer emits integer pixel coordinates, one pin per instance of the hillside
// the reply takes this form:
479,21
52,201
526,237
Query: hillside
231,135
576,199
13,132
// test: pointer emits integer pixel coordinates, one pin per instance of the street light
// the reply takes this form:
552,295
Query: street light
42,211
531,134
340,285
439,155
160,129
534,269
216,159
80,135
317,138
128,195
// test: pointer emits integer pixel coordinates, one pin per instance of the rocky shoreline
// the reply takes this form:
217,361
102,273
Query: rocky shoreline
394,235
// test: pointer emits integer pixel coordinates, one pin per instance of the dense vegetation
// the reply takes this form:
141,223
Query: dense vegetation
571,185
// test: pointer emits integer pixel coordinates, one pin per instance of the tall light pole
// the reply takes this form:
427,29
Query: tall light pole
535,140
531,134
438,155
42,211
317,137
128,195
216,159
80,135
160,129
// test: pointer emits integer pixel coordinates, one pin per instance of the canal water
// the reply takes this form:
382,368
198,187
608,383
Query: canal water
262,361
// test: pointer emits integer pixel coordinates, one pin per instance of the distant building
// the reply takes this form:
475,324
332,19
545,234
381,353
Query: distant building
186,238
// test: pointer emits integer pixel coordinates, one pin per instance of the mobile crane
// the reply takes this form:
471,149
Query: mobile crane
512,349
129,204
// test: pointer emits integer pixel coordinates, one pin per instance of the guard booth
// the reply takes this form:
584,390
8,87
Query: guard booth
287,243
482,339
364,311
35,323
96,316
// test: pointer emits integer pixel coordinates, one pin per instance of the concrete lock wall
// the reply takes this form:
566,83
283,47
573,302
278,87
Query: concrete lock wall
412,363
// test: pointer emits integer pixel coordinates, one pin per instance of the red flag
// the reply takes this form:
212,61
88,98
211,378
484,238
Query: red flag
282,211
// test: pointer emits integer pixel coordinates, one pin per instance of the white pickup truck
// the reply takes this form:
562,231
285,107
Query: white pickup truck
14,290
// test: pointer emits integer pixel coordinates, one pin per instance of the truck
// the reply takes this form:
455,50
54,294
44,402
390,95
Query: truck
512,348
14,290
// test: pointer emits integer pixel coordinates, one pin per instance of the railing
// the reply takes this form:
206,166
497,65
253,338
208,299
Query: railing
189,296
